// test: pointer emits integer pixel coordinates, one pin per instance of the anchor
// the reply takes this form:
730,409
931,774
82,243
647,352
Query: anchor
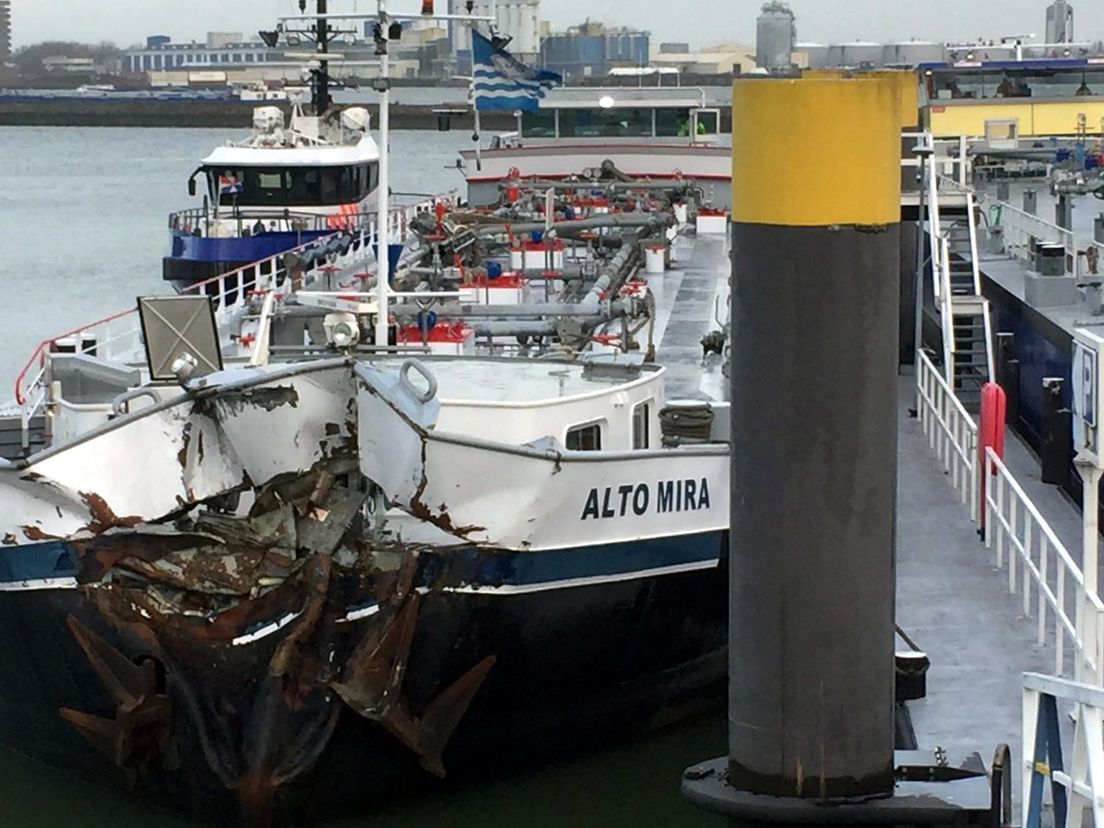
373,689
139,732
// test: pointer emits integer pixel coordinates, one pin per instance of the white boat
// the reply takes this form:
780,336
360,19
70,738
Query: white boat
660,133
288,183
293,542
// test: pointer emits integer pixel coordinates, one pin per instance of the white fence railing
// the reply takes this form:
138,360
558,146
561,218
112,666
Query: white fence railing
1075,776
1043,571
1024,231
1040,567
951,431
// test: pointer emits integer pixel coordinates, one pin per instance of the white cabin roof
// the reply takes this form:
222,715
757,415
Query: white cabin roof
518,383
647,97
309,156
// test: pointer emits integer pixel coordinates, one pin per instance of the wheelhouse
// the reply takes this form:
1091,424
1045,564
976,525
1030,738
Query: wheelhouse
621,113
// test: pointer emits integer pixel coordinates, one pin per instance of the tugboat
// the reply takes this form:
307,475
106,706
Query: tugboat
290,182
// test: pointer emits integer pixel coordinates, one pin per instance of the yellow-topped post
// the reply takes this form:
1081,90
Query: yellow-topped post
815,291
809,152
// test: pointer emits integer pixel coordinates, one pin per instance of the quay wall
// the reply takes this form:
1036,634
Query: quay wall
199,113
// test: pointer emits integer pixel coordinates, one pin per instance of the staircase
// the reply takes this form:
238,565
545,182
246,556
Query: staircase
964,314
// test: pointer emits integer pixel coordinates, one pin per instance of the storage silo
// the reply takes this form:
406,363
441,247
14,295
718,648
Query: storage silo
776,35
816,54
912,53
860,53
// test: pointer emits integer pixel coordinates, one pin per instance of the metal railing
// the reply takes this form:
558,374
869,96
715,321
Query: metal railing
941,269
1072,776
951,431
1036,559
1023,232
117,338
201,221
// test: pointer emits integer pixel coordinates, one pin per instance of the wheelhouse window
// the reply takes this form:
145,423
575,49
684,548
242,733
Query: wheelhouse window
584,438
1013,82
613,123
640,423
708,122
539,124
291,187
672,122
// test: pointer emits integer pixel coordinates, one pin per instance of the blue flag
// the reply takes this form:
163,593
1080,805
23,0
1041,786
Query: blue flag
504,82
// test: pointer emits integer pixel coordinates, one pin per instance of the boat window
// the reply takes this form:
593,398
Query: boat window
539,124
305,187
672,122
1013,81
270,180
584,438
641,419
595,123
709,122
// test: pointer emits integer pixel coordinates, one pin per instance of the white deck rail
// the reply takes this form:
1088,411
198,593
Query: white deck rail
951,431
1075,787
1022,231
1039,566
1038,561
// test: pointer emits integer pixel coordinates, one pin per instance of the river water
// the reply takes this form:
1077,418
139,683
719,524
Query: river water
82,231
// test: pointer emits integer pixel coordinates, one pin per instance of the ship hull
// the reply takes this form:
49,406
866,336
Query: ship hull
194,259
573,667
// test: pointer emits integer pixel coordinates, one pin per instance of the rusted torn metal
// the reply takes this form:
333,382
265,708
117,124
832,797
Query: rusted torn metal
250,617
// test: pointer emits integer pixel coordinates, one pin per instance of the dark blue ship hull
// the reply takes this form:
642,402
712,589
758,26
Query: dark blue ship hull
277,728
193,259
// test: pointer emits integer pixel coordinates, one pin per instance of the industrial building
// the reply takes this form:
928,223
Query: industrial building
221,50
226,57
718,59
776,35
591,50
1059,22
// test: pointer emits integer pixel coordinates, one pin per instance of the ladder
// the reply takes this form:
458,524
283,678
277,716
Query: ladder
964,314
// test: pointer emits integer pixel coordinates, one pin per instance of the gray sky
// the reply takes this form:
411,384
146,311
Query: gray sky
700,21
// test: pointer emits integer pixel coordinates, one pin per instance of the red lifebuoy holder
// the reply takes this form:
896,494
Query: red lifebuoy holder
513,191
994,405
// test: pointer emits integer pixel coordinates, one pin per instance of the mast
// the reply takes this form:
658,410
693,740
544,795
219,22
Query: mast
322,75
387,28
383,241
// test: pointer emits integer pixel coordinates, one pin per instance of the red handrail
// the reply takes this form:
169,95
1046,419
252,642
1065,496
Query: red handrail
21,398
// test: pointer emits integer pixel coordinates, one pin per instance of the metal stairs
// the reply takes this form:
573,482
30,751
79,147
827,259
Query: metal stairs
964,314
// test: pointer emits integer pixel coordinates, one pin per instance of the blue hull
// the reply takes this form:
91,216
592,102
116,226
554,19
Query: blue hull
194,259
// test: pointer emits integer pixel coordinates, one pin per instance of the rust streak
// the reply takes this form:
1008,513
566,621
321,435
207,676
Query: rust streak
103,518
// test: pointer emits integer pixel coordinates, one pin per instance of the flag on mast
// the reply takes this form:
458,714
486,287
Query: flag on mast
501,81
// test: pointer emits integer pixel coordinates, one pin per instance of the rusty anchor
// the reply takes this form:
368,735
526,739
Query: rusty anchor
373,688
140,731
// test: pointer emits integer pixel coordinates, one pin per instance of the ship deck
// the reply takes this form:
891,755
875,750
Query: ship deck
689,298
955,604
1010,273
